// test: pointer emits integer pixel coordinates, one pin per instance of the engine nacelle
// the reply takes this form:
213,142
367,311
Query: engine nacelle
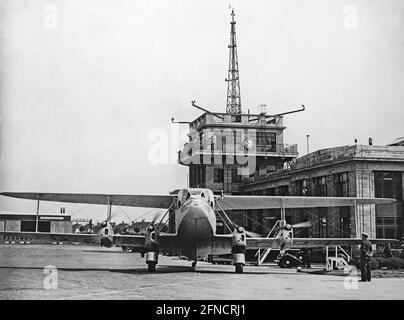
106,233
239,243
239,237
151,248
151,239
285,238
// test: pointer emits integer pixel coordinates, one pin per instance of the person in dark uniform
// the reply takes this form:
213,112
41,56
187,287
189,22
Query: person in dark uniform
366,255
387,251
305,253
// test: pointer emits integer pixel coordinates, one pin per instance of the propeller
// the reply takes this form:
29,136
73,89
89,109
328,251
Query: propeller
248,233
305,224
253,234
156,217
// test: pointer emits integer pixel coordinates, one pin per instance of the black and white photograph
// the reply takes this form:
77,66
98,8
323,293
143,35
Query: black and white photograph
221,151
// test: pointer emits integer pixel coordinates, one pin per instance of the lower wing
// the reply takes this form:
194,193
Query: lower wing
59,237
262,243
222,243
336,241
273,243
166,241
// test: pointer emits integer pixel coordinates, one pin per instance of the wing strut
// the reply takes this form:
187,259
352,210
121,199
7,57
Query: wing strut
160,225
282,223
225,218
37,212
109,209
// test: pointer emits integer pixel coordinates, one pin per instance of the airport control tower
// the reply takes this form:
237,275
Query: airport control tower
225,149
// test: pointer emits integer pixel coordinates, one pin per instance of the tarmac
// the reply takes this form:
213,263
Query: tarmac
31,271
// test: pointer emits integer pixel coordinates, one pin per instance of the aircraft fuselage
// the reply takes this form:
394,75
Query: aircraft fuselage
196,226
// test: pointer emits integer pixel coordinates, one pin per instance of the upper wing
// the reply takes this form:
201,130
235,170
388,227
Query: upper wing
276,202
47,236
145,201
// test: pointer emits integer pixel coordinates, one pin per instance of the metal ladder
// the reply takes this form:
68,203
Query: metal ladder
344,260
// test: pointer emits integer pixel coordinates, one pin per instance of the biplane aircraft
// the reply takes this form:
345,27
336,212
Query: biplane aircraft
195,223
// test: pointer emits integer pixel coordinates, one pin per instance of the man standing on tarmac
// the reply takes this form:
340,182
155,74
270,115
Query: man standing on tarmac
366,255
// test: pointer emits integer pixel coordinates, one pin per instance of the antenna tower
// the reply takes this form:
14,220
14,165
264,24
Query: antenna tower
233,80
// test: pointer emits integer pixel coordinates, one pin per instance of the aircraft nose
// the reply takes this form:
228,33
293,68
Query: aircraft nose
195,211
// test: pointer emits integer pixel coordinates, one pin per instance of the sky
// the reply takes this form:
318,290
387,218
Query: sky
88,88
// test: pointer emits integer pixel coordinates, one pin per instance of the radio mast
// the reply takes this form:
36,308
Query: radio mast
233,80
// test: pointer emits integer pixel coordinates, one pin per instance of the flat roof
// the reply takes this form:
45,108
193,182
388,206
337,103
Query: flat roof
9,213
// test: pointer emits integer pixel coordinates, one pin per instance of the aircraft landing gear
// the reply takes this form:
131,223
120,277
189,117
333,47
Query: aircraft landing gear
239,248
151,260
239,268
289,261
151,266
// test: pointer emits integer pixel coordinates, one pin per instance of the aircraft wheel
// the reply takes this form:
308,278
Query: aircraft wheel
151,266
239,268
286,262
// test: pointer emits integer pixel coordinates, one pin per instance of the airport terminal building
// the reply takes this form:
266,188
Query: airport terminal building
348,171
246,154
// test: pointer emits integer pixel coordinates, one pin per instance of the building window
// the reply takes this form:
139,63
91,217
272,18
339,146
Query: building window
302,188
218,175
235,177
283,190
345,222
266,141
388,185
203,174
320,186
224,143
388,227
235,118
322,223
323,227
341,185
237,137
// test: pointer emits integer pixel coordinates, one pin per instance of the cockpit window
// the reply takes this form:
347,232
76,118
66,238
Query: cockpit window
187,193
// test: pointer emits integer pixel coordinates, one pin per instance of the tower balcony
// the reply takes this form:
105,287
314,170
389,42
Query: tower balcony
200,155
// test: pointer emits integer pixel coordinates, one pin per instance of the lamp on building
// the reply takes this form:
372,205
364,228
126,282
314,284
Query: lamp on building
307,137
